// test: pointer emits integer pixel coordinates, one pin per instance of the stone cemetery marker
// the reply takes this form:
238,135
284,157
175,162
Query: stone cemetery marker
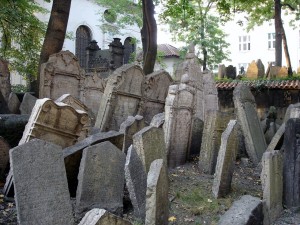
27,103
291,164
136,181
226,159
4,157
129,127
40,182
3,105
158,120
276,138
255,70
73,154
102,217
245,107
101,179
54,122
13,103
210,92
215,123
272,185
230,72
121,98
157,202
61,75
149,144
221,71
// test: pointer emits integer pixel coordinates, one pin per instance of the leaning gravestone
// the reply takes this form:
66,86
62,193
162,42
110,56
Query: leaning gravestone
245,107
61,75
121,98
27,103
149,144
215,123
102,217
40,182
101,179
157,202
291,164
271,178
226,159
13,103
136,181
4,157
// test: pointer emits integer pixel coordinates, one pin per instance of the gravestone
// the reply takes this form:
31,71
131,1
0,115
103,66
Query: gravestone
121,98
291,164
277,71
196,139
54,122
272,185
245,108
271,131
27,103
210,93
157,202
4,157
73,154
101,179
226,160
214,125
255,70
221,71
129,127
230,72
149,144
276,138
3,105
40,183
136,181
102,217
61,75
13,103
158,120
5,86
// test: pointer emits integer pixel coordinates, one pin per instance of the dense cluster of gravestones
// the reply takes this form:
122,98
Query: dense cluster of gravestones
87,137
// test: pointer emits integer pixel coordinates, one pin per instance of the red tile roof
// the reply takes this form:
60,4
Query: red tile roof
270,84
168,50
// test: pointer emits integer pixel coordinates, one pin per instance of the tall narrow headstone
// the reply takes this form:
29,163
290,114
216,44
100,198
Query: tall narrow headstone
101,179
210,93
136,181
13,103
245,107
226,159
221,71
272,185
291,164
40,182
157,202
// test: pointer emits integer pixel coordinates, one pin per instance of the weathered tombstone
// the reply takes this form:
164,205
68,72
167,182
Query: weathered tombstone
40,182
155,92
291,164
255,70
221,71
5,86
54,122
101,179
102,217
245,211
27,103
272,185
158,120
121,98
157,202
277,71
210,93
149,144
61,75
230,72
136,181
245,107
226,159
283,72
4,157
73,154
13,103
214,125
3,105
129,127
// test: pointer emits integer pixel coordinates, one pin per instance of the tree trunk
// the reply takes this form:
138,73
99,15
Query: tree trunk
204,58
149,36
56,32
286,52
278,33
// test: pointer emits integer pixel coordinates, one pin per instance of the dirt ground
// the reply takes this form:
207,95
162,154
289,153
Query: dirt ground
191,201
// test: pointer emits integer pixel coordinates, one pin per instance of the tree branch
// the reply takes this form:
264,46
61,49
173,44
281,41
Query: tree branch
289,6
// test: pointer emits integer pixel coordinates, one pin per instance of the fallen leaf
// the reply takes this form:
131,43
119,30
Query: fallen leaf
172,219
174,175
189,220
209,200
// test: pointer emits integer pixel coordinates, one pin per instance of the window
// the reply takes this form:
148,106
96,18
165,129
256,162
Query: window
244,43
271,40
129,48
243,68
83,38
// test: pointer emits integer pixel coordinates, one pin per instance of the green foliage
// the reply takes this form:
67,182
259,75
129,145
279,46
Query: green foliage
22,34
159,59
19,88
191,22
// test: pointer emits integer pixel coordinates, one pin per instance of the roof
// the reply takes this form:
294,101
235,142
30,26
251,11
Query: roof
168,50
270,84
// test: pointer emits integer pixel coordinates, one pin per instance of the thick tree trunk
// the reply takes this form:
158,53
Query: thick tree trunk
278,33
56,31
286,52
149,36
